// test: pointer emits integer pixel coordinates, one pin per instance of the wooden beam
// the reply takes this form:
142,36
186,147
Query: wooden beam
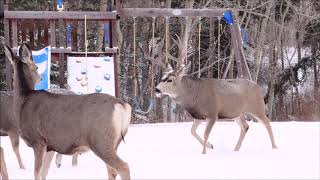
91,15
169,12
107,51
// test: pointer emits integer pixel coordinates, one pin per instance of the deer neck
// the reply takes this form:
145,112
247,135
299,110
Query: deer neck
21,83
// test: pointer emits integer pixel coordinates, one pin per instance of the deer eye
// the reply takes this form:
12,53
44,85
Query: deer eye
169,80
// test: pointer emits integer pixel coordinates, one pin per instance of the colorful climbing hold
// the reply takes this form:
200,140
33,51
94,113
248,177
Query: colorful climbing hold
107,77
98,89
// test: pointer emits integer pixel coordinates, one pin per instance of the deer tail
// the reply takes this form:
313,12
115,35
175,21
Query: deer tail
126,118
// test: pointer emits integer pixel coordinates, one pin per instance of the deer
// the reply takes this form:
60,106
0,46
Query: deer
8,124
3,167
66,124
209,99
59,156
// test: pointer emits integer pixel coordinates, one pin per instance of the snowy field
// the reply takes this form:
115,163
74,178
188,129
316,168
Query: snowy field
168,151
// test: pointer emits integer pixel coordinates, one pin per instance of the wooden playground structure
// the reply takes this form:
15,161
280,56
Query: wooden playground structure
18,25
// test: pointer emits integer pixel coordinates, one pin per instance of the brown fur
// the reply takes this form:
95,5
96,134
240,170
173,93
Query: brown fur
64,123
211,99
8,124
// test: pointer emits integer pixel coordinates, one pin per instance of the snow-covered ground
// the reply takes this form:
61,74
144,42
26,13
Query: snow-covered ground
168,151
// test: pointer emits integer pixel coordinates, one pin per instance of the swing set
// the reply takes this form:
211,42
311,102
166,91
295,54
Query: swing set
19,25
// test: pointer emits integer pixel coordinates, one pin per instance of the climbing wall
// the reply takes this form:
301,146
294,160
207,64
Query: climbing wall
91,75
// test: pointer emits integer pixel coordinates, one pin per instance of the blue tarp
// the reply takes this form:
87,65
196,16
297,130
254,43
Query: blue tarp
42,58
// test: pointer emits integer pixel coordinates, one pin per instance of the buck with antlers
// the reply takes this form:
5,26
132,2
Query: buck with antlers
210,99
67,123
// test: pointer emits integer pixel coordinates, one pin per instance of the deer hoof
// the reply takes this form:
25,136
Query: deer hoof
58,165
22,167
204,152
210,146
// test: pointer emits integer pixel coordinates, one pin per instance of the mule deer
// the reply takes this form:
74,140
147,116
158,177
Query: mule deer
59,156
67,123
3,167
8,124
210,99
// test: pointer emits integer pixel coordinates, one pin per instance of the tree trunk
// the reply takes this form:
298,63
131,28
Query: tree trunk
272,61
316,81
261,41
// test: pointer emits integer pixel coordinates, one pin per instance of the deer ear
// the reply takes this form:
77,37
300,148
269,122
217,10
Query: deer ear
8,53
25,53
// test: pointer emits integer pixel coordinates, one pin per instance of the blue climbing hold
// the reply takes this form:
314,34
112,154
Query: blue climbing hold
107,77
227,16
98,89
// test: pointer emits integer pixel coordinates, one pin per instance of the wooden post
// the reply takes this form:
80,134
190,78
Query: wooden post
53,34
1,9
61,55
14,34
7,40
46,33
74,35
24,30
114,43
31,34
244,65
236,50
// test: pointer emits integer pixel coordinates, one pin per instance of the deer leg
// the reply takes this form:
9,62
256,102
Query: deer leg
3,167
210,123
75,159
39,154
266,122
241,121
46,164
14,138
109,156
194,128
112,174
114,161
58,160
